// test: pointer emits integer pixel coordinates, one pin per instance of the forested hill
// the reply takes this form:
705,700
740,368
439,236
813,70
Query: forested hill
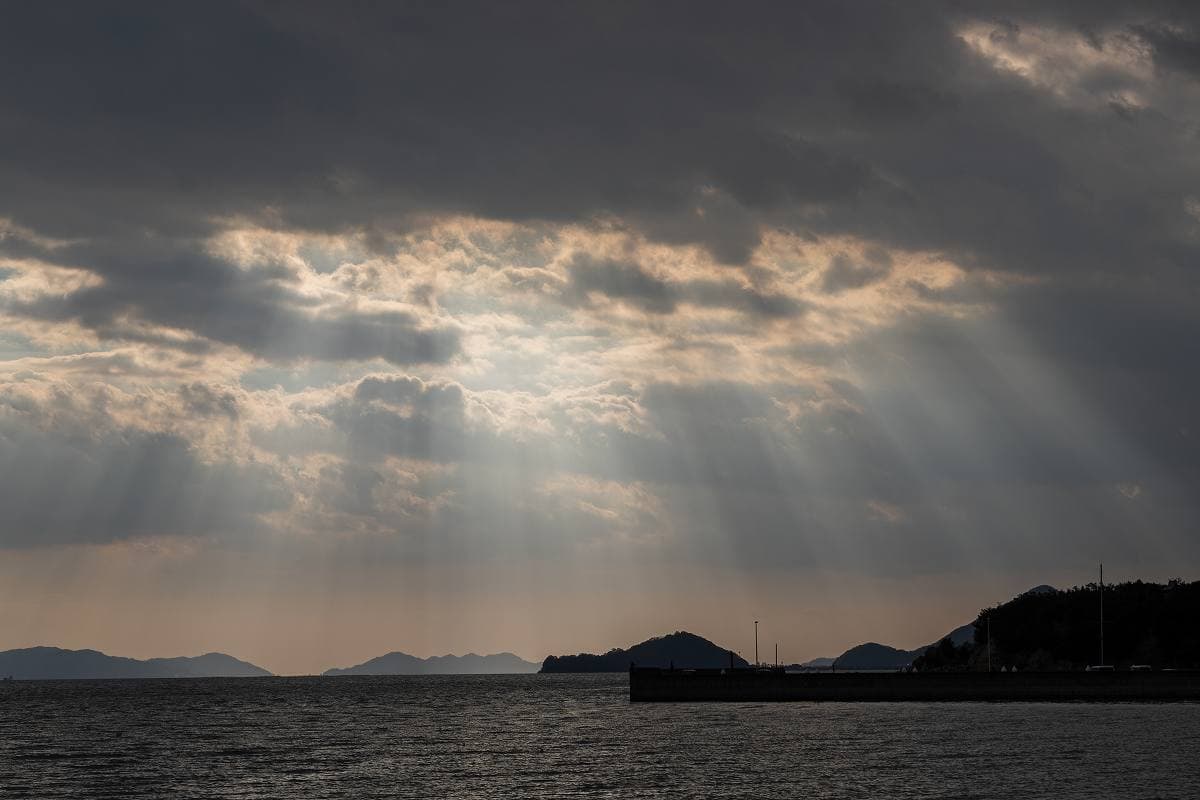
1144,623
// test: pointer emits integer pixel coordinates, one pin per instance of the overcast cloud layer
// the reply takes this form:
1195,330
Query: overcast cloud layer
895,291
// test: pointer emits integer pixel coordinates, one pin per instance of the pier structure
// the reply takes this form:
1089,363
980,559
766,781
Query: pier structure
652,684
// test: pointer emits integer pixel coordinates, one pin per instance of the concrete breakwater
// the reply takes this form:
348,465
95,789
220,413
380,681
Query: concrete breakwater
649,684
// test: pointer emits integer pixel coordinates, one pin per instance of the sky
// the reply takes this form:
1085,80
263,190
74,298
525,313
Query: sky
334,329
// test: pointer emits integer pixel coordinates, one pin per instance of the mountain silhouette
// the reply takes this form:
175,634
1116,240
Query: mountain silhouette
872,655
53,663
471,664
683,649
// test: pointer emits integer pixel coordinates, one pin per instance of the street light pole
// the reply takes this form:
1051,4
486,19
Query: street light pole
756,643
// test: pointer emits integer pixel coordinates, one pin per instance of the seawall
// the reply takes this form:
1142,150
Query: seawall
648,684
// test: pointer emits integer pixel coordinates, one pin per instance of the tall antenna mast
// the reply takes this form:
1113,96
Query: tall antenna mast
1101,613
989,635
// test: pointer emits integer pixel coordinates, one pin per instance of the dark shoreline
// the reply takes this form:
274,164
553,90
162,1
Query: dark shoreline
650,684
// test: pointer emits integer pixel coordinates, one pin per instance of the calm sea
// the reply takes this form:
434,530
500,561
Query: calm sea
566,736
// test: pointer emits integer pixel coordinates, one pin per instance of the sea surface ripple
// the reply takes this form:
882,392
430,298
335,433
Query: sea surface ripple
565,736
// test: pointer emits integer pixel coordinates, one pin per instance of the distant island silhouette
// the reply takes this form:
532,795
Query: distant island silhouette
682,649
1043,629
397,663
54,663
690,651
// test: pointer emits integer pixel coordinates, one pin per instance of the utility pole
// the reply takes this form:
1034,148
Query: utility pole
756,643
1102,613
777,654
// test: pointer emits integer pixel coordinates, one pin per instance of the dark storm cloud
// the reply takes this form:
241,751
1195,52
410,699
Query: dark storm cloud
621,281
151,114
632,284
843,273
696,123
1174,49
177,285
163,114
160,115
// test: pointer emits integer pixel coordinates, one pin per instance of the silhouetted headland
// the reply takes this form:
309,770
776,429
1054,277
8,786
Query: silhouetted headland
1148,624
681,648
